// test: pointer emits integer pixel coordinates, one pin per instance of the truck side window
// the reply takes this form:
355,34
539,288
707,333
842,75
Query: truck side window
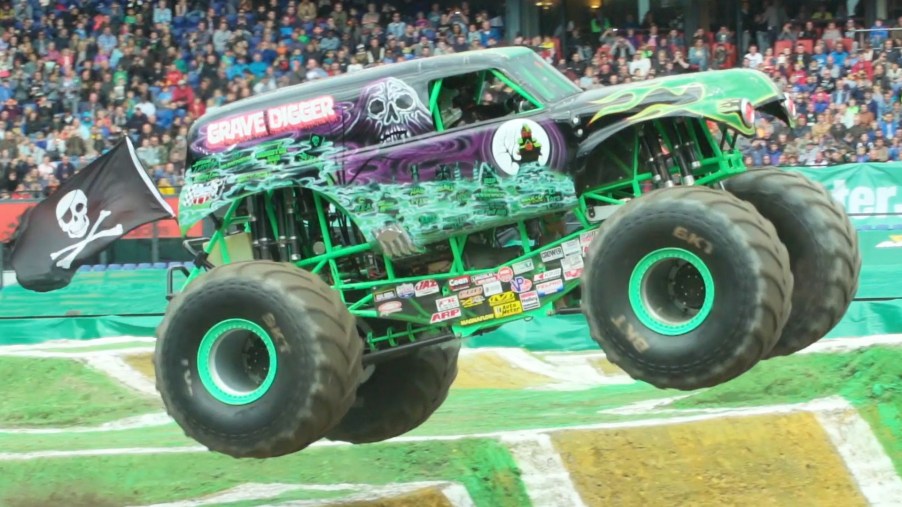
476,97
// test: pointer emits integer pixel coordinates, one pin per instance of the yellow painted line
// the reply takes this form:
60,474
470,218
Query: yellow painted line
142,363
491,370
605,367
758,460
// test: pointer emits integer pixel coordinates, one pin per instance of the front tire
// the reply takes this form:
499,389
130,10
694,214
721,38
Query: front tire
257,359
823,250
686,287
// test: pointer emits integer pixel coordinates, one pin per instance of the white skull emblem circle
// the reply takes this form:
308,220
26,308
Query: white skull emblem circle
72,214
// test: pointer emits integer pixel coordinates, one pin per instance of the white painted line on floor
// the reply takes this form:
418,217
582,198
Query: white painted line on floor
76,344
864,456
87,453
848,344
76,354
242,493
648,406
372,494
547,481
578,366
566,379
119,370
458,496
824,404
456,493
129,423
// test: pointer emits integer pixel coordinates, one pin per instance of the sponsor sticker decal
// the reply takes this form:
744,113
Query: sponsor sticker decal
471,302
572,263
506,274
530,301
448,303
477,320
585,239
426,287
384,296
390,308
472,292
521,284
445,315
406,290
508,309
573,274
484,278
492,288
571,247
553,254
500,299
550,287
461,282
523,267
548,275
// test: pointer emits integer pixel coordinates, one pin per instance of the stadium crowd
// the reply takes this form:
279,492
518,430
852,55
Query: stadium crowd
77,74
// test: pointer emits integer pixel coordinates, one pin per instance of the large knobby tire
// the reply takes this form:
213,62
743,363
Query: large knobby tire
401,395
686,287
823,250
257,359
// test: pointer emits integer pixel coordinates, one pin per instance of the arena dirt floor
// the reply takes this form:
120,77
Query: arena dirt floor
83,426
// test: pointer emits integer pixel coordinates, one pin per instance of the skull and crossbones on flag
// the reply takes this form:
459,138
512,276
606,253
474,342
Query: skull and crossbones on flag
107,199
72,215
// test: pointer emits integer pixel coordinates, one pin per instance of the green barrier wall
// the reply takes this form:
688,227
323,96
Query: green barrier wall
130,302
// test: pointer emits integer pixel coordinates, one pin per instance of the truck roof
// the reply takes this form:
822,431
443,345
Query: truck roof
421,68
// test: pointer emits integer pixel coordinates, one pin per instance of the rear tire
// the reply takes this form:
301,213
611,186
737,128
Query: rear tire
257,359
823,250
401,395
686,287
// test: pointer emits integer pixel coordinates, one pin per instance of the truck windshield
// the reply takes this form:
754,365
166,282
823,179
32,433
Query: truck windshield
550,84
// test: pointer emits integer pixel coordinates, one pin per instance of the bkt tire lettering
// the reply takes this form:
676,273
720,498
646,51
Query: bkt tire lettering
694,239
632,335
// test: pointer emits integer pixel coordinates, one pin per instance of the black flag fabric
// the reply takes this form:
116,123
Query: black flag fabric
103,202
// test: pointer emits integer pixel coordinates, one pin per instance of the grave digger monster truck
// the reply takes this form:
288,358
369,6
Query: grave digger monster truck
367,223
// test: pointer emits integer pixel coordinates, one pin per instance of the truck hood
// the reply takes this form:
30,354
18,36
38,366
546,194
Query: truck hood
725,96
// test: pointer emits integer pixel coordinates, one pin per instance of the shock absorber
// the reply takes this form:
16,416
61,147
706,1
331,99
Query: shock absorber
291,218
260,233
646,154
672,129
279,203
653,138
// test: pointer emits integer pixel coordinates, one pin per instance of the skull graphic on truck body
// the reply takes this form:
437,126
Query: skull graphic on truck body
72,214
393,111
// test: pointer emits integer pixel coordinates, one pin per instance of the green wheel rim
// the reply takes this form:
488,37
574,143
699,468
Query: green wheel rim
219,362
661,317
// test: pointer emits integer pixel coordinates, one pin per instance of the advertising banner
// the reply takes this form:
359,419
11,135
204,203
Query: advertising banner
12,210
864,190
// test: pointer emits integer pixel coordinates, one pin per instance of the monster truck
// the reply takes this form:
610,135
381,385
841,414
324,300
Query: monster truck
363,225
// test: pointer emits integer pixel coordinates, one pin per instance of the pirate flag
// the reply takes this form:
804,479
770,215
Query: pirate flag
103,202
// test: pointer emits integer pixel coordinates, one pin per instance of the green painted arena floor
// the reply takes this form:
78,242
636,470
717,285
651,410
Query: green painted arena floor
72,433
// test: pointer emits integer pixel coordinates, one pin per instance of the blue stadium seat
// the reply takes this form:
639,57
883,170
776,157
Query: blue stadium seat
174,264
882,227
114,267
98,267
129,267
145,265
82,269
159,265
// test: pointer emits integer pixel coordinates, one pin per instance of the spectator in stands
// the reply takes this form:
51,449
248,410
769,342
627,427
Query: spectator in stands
76,74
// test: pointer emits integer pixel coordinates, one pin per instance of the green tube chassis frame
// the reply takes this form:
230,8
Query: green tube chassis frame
717,161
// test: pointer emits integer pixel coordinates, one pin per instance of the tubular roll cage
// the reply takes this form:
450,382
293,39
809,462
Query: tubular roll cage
693,154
